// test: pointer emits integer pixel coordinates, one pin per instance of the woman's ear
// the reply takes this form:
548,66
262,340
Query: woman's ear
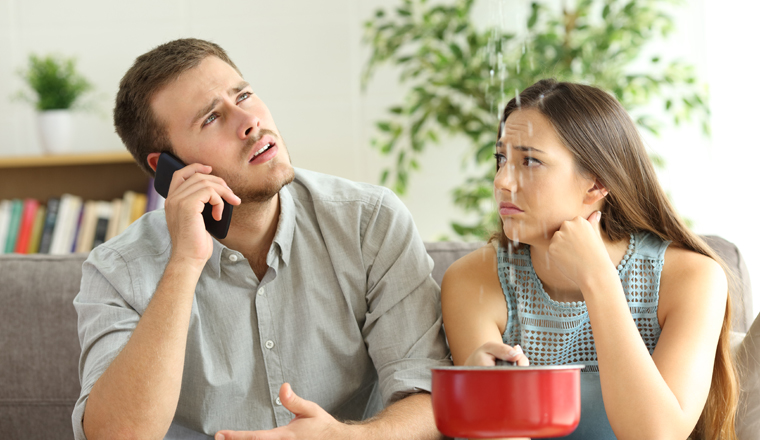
596,192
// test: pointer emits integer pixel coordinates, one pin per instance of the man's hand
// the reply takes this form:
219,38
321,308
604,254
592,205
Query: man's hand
191,188
311,422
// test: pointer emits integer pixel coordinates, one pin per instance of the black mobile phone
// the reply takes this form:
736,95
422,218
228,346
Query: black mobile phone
167,165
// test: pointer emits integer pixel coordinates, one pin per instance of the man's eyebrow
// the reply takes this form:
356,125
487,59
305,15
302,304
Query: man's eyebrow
233,91
500,144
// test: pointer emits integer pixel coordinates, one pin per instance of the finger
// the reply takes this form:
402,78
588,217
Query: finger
207,191
272,434
298,406
595,219
520,357
185,173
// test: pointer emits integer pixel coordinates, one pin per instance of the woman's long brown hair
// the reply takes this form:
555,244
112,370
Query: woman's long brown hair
606,144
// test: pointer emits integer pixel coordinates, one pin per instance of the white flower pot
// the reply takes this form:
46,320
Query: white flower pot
55,130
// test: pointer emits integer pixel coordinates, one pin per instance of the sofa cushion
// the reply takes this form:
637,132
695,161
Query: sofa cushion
39,346
748,363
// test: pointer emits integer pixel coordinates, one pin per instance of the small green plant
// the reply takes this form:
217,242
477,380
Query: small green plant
55,81
459,78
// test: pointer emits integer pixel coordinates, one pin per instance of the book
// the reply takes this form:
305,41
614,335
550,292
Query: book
28,214
70,242
138,207
126,211
5,216
87,228
152,195
51,218
66,224
103,213
17,207
113,224
39,223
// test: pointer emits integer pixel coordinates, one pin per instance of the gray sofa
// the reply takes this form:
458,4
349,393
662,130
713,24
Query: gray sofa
39,347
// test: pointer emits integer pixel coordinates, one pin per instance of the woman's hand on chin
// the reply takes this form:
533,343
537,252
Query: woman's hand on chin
487,354
578,251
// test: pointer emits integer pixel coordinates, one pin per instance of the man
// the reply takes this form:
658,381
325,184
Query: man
322,286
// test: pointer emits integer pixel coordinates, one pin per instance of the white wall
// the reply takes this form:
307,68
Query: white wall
304,58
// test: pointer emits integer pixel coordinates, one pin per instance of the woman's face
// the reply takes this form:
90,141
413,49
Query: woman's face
537,184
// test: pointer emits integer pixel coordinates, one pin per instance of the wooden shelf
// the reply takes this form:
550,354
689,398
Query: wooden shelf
92,176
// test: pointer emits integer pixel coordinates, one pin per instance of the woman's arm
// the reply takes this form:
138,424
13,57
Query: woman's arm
659,396
474,309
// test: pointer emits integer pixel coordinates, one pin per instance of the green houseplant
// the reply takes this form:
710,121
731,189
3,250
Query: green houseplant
460,77
58,87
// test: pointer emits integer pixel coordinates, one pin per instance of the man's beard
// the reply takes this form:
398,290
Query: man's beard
277,176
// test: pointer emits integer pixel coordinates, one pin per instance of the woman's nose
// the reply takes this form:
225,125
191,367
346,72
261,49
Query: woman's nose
506,178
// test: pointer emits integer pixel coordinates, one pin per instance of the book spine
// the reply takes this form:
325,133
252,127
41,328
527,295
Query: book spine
5,214
70,244
61,224
17,206
86,228
51,218
39,224
113,223
27,221
103,217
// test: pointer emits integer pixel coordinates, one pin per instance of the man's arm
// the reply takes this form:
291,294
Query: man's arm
410,418
137,395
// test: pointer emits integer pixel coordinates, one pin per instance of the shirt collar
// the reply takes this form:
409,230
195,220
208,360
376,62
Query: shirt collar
286,225
283,237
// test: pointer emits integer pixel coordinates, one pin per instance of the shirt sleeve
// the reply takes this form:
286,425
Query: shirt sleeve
106,320
403,328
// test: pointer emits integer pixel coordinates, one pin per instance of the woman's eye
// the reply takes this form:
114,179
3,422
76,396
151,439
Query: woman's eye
500,160
211,118
531,162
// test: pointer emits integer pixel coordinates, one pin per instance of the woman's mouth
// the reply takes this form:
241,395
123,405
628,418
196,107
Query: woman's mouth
506,208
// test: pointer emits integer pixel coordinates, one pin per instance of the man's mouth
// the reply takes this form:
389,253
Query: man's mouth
263,149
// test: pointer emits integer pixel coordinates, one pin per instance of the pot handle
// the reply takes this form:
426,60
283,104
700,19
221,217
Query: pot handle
503,363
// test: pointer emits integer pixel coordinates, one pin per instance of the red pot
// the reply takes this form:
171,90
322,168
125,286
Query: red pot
490,402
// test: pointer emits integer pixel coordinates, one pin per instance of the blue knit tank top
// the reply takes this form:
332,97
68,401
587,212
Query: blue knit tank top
559,333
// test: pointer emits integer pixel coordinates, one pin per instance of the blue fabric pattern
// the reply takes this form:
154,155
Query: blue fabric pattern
559,333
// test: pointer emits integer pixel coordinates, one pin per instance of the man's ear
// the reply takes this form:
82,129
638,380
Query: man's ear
596,192
153,160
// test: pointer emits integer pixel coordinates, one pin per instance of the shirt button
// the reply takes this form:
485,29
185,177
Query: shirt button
277,401
261,292
269,344
233,258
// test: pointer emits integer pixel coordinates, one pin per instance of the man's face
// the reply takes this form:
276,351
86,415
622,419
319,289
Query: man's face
213,117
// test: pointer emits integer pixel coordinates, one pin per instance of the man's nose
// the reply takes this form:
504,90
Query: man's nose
249,124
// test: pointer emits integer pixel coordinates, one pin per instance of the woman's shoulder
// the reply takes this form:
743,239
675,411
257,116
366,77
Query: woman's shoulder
478,263
691,279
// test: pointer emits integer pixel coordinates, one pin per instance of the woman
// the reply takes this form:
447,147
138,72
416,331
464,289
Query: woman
593,266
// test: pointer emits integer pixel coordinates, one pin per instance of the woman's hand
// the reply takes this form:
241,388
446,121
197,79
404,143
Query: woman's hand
487,354
578,251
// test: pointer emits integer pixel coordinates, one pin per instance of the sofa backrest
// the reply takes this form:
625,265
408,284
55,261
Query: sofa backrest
39,346
446,252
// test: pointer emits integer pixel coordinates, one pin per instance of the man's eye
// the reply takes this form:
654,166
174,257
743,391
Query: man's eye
244,96
211,118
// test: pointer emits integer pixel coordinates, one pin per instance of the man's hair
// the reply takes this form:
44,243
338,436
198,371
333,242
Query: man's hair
136,123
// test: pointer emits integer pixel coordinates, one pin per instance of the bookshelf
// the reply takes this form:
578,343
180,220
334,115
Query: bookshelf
92,176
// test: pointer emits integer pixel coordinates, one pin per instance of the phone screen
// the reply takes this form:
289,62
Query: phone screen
167,165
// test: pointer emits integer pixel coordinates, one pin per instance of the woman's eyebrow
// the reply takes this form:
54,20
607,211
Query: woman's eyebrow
500,144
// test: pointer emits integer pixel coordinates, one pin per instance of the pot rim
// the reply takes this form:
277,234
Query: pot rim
510,368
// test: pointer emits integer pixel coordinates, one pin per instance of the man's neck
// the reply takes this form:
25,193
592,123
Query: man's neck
252,230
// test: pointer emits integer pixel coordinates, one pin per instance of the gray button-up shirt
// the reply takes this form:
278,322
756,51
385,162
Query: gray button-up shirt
347,311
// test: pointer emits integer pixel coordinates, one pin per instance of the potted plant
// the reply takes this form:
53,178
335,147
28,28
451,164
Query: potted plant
459,77
58,88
